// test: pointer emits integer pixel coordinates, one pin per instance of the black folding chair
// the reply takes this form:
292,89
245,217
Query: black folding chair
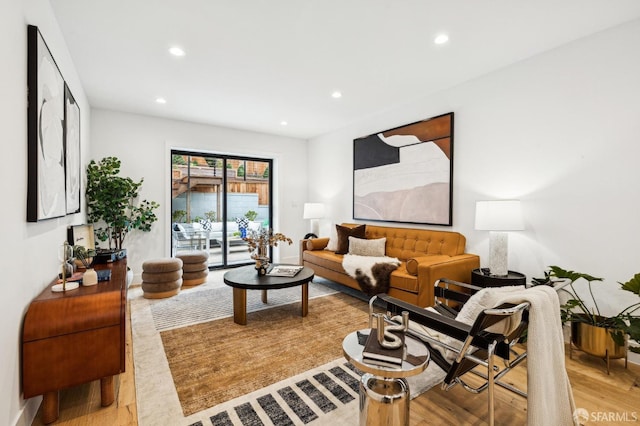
480,342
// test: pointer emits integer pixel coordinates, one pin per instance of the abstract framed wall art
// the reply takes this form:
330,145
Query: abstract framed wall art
405,174
46,163
72,151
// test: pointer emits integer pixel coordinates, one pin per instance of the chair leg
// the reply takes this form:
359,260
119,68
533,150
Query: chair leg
490,380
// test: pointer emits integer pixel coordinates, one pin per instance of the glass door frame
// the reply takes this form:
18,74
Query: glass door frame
223,193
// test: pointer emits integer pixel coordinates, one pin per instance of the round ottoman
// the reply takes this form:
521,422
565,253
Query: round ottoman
161,277
195,267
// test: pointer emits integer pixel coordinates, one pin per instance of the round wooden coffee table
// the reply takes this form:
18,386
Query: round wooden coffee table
247,278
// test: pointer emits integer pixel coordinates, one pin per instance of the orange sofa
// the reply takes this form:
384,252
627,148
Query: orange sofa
426,256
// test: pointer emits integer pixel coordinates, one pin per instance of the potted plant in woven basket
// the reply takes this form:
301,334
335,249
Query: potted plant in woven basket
591,331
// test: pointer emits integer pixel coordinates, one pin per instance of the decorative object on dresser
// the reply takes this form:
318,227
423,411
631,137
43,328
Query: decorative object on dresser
70,338
405,174
498,217
65,256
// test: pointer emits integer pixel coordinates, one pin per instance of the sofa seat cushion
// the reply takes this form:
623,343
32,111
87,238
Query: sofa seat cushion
402,280
326,259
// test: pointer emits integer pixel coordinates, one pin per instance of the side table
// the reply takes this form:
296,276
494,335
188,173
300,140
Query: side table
481,278
384,392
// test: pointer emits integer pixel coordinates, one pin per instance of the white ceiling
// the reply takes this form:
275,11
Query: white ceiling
252,64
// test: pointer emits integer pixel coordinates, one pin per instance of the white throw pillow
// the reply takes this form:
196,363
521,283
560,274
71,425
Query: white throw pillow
333,239
362,247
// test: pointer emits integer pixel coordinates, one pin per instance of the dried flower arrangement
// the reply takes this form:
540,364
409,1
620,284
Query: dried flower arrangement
265,237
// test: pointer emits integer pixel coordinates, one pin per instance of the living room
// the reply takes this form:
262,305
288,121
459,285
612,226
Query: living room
556,129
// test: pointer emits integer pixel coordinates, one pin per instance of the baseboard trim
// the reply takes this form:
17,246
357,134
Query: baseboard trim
28,412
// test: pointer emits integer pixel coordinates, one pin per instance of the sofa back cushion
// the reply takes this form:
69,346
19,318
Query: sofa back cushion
405,243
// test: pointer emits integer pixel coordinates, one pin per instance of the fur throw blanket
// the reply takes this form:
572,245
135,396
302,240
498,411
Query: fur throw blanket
371,272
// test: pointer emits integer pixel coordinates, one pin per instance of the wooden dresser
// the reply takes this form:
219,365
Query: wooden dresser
75,337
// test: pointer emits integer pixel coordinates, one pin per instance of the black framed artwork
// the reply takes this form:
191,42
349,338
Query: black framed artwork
405,174
46,194
72,151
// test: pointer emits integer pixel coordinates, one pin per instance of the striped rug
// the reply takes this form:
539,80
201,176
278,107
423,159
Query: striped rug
325,395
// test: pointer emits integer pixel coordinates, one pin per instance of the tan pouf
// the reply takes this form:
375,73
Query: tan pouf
161,278
195,267
197,256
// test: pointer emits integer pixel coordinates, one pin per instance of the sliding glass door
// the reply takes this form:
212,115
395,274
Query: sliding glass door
215,201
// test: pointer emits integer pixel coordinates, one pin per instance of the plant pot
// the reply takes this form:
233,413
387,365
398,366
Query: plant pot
597,341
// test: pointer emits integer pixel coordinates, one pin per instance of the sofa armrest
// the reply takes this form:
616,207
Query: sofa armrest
414,262
457,268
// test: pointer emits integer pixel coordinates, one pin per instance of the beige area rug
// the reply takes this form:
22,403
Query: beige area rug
279,369
157,397
219,360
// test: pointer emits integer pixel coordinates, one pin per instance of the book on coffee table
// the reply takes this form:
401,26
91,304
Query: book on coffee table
284,270
374,353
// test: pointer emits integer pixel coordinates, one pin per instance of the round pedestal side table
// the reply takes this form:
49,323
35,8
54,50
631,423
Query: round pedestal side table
384,392
483,278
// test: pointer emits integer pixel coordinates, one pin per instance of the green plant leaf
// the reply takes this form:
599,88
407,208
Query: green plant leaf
558,272
633,329
633,285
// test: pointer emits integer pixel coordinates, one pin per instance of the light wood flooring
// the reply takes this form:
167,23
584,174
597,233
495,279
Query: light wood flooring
594,390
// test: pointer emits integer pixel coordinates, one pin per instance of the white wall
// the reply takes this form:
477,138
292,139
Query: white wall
143,144
559,131
29,260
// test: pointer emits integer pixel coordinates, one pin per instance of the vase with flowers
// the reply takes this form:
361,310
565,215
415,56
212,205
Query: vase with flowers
85,256
259,241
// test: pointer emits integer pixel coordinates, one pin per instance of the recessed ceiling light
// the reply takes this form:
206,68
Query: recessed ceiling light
176,51
441,39
161,100
283,123
336,94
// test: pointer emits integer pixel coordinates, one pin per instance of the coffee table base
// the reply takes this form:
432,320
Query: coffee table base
240,303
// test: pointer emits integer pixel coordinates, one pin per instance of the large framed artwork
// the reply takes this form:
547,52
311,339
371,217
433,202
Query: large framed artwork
405,174
46,169
72,151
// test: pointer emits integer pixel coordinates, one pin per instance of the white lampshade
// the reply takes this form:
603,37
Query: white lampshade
313,211
499,215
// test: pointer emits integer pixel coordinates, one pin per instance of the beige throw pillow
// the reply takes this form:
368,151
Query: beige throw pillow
333,240
362,247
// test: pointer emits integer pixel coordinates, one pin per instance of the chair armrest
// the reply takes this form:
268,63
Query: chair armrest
437,322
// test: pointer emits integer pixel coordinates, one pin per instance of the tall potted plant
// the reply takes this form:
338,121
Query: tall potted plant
593,332
112,203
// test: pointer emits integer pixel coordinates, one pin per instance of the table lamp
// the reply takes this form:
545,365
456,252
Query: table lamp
313,211
498,217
